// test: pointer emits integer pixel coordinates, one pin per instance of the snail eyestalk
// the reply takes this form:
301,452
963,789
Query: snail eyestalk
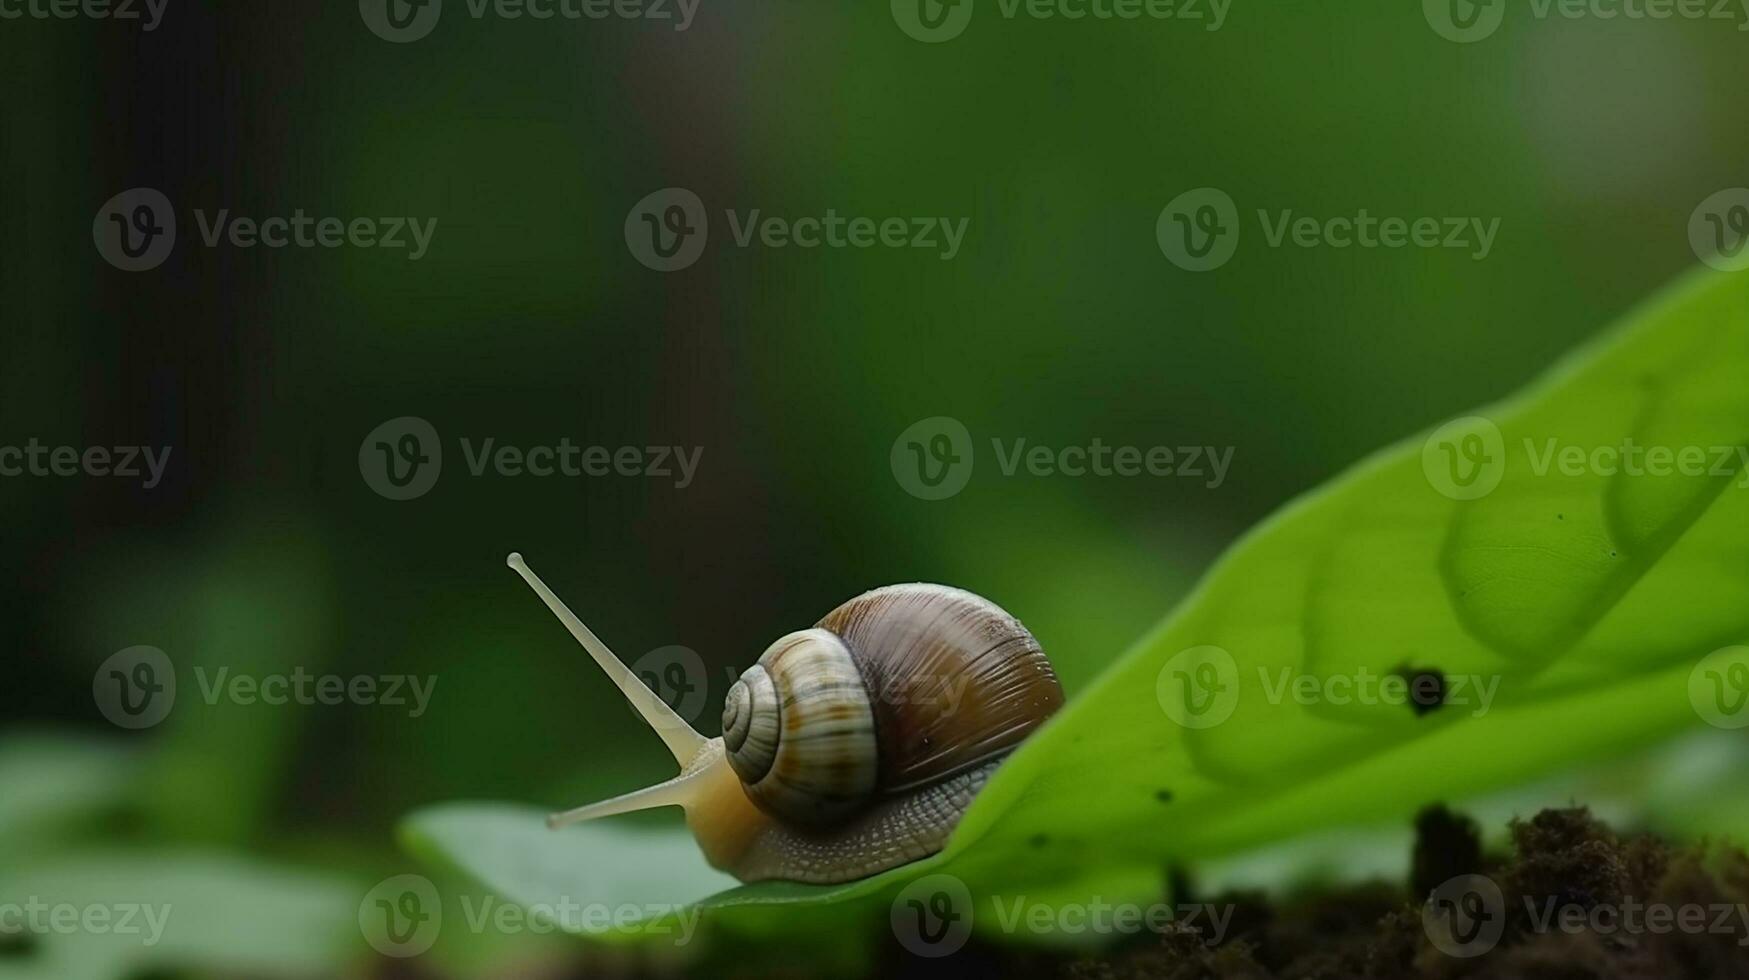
721,818
683,742
683,791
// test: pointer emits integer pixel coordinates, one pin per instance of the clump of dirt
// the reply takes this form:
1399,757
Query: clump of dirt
1573,901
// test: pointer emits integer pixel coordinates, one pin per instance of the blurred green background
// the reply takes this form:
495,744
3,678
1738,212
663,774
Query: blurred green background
793,370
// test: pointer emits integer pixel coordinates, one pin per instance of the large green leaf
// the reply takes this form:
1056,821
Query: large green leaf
1579,599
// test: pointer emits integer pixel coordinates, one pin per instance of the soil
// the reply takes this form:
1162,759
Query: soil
1377,932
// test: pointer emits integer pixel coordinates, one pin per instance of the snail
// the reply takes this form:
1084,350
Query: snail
849,748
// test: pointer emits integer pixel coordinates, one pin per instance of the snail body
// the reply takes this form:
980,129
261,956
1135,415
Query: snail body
850,747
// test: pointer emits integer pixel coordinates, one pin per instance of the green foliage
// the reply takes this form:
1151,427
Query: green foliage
164,908
183,910
1579,596
52,781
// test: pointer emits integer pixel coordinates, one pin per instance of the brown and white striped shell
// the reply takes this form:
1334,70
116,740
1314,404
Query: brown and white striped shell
900,688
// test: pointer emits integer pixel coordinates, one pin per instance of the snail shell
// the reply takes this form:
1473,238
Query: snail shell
899,688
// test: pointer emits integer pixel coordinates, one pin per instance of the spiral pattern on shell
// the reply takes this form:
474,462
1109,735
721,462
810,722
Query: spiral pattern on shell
800,731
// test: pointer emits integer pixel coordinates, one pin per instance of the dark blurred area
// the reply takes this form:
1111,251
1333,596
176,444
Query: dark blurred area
787,373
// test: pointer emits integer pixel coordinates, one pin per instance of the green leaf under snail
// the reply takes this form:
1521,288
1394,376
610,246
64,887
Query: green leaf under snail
1571,603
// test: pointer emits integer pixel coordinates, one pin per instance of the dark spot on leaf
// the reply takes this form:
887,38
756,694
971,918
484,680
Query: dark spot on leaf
1039,840
1427,689
1560,517
1163,795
